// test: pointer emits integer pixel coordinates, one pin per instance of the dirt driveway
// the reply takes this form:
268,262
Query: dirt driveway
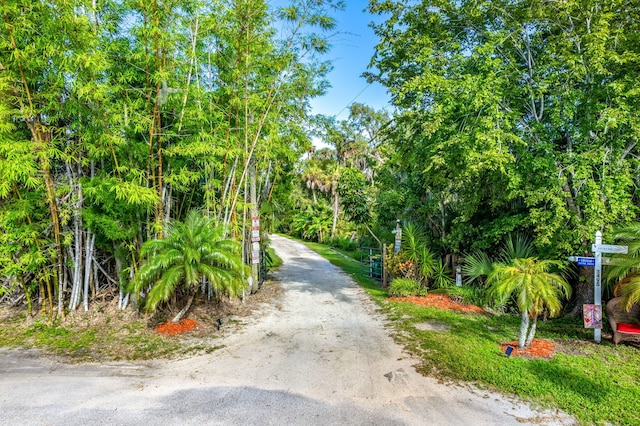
320,357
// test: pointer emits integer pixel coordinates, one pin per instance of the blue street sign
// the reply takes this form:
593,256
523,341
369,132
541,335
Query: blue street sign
586,261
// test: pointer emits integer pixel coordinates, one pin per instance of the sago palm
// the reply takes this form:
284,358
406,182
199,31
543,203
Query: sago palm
191,250
534,288
626,271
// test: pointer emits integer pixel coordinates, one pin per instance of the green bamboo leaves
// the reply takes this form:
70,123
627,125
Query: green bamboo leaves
119,117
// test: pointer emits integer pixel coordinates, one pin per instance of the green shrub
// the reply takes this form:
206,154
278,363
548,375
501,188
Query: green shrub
401,287
441,276
344,243
471,295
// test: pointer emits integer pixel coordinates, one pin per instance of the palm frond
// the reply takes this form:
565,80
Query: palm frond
442,275
191,250
476,265
516,247
427,263
413,241
630,291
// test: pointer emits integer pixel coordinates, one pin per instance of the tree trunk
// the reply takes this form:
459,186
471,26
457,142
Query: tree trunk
77,255
582,290
91,238
524,326
336,212
184,310
75,278
532,331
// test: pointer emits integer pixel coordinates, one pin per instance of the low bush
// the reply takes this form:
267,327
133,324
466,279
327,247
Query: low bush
344,243
471,295
402,287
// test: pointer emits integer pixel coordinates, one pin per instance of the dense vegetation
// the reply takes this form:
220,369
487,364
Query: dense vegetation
118,117
510,117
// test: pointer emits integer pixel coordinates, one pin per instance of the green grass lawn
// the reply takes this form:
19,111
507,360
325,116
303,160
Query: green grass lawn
596,383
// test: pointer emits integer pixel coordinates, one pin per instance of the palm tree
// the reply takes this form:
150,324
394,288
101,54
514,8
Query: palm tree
534,287
190,251
626,271
315,179
477,265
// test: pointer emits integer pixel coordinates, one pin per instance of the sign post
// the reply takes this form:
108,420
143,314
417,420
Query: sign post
597,283
398,232
598,248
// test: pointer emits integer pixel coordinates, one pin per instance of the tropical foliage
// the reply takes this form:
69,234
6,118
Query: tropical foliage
511,117
402,287
119,117
625,272
533,286
193,254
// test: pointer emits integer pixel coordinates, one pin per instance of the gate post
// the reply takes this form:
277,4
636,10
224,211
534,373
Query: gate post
384,270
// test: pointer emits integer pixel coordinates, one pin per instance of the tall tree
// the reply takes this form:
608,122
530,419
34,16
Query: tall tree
513,117
51,75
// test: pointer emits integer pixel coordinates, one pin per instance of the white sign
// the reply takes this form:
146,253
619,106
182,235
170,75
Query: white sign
255,252
396,246
609,248
605,260
597,281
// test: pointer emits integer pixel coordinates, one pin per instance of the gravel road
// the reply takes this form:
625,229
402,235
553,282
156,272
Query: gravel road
322,356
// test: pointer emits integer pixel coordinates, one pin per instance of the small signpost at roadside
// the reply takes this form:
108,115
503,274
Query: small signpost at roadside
598,248
398,232
586,261
255,240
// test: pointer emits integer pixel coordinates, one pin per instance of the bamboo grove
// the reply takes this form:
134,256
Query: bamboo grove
119,116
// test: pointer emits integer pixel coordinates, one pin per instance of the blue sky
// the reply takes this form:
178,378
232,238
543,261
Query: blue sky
350,54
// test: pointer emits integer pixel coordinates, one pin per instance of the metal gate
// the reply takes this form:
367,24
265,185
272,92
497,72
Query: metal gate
371,259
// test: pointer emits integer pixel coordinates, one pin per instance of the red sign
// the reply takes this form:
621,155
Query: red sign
592,315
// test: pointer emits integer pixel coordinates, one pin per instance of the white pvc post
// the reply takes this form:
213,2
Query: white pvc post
597,283
398,232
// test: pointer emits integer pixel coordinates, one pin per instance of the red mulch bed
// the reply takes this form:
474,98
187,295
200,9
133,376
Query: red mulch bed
441,301
539,348
179,327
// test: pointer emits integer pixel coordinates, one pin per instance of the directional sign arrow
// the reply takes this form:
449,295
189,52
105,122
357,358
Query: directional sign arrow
609,248
591,261
586,261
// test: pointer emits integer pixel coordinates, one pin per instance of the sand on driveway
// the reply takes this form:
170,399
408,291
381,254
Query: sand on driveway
322,356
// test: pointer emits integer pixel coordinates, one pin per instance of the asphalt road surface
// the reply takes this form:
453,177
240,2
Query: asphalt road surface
322,356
